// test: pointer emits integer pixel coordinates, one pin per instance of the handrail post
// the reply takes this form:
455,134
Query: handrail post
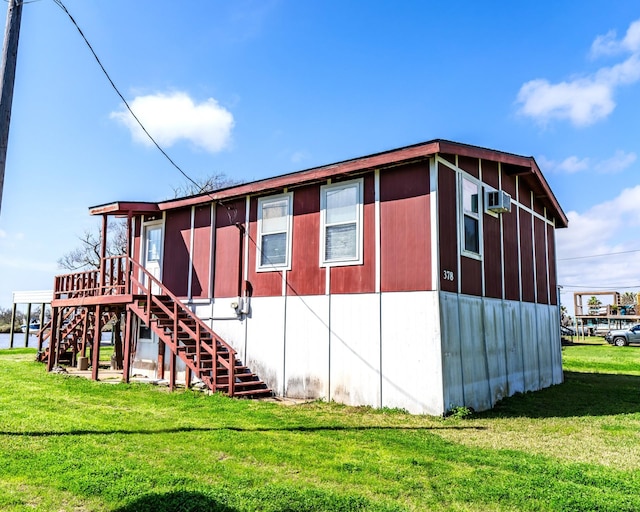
103,252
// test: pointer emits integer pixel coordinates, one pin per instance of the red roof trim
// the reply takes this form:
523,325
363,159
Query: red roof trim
375,161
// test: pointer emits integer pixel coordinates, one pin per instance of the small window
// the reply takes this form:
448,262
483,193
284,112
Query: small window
341,223
274,232
470,216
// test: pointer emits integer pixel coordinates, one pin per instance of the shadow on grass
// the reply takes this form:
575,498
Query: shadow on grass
182,501
581,394
177,430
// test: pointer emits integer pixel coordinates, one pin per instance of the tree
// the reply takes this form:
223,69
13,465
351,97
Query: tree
203,185
628,299
594,305
87,254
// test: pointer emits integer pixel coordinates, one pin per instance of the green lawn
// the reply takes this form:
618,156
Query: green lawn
69,444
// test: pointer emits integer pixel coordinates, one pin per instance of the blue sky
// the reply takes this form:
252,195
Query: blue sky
259,88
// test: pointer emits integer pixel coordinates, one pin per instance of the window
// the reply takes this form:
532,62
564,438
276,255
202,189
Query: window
470,217
341,223
274,230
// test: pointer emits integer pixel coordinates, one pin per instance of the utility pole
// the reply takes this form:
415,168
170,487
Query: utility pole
7,76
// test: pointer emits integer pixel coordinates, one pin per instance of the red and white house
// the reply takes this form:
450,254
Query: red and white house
421,278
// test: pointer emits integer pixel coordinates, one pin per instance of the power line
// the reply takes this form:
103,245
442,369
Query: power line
597,255
115,88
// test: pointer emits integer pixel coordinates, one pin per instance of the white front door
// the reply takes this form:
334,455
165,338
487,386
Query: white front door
153,253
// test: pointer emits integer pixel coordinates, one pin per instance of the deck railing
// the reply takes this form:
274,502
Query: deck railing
111,279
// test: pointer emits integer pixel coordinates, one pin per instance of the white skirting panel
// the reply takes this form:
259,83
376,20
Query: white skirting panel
306,350
452,376
530,347
264,352
355,349
501,348
496,349
411,352
513,347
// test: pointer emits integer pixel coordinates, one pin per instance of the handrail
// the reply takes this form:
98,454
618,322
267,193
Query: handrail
147,289
124,276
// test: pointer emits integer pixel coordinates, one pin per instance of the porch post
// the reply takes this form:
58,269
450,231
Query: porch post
161,351
53,339
28,321
13,323
103,253
40,333
96,344
127,346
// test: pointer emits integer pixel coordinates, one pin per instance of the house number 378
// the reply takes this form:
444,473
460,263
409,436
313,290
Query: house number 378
448,275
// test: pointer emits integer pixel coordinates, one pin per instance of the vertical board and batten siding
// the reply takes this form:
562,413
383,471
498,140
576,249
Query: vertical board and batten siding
306,276
511,254
360,278
228,265
201,272
542,266
526,256
175,260
263,284
551,258
405,228
447,226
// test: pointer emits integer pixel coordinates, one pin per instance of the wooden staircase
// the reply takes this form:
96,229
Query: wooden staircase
205,354
71,333
123,284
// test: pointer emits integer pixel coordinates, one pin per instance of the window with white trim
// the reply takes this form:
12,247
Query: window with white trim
470,216
341,223
274,232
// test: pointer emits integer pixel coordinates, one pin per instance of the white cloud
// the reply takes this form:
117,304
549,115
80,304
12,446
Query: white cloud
170,118
620,161
588,99
299,157
574,164
608,229
607,44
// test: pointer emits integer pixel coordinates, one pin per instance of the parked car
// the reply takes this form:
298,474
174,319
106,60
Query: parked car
622,337
567,331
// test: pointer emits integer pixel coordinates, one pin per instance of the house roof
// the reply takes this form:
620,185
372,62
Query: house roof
523,166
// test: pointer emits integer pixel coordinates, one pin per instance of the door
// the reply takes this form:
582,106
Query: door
153,253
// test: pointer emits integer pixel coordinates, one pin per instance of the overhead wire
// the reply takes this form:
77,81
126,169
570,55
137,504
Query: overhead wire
126,103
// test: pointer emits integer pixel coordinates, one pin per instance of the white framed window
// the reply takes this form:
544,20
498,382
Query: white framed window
274,232
471,223
341,223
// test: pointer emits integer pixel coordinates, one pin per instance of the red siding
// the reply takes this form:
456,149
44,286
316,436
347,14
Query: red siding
490,173
492,257
470,165
405,234
553,283
137,228
360,278
306,277
541,261
175,266
471,276
447,229
228,269
510,242
201,252
524,193
509,184
526,257
265,284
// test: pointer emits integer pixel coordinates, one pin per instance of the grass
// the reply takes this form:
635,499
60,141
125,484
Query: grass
69,444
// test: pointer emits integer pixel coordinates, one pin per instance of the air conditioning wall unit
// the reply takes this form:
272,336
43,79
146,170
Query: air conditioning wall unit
498,201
